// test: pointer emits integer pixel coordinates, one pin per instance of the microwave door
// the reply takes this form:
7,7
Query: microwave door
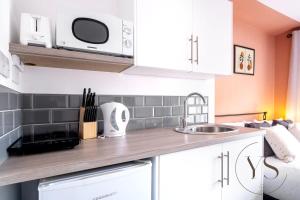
99,33
90,31
103,35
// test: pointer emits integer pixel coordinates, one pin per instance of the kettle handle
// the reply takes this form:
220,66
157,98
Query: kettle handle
122,109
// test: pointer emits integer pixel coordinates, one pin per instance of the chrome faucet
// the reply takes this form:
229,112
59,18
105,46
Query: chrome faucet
185,113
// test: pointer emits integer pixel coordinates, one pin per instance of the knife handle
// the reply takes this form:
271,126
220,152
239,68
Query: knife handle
83,98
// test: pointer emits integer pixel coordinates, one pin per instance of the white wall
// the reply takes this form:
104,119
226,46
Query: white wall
5,6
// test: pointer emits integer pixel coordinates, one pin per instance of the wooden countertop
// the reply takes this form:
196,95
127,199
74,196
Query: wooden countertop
97,153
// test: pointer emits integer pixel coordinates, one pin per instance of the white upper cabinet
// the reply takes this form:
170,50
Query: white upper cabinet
183,38
163,28
212,34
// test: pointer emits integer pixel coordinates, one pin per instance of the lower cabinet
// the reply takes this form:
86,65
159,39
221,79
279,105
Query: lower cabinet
225,171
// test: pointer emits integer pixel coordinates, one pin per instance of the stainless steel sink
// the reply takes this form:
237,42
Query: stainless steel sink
207,129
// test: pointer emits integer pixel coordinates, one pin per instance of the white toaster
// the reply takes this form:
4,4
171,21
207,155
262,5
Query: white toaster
35,30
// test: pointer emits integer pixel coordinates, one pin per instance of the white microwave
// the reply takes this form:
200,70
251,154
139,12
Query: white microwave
102,33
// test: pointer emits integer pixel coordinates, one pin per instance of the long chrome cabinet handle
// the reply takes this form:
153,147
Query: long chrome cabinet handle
197,50
222,175
228,164
191,40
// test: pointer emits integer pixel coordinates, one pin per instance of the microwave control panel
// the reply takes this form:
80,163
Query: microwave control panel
127,37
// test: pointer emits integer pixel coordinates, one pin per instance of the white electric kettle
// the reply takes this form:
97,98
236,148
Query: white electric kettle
116,117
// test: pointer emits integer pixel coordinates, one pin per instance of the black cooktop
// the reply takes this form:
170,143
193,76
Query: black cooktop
45,142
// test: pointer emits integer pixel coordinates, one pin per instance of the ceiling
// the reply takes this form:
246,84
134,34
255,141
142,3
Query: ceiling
263,17
289,8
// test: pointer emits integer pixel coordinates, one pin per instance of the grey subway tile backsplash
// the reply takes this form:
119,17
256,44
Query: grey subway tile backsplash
182,99
153,100
109,98
4,143
74,127
99,114
133,100
170,122
206,100
75,101
27,101
8,121
36,116
162,111
13,101
49,101
154,123
48,128
17,118
131,112
27,130
201,118
13,136
1,124
19,101
136,124
143,112
100,127
204,109
65,115
4,103
171,101
177,111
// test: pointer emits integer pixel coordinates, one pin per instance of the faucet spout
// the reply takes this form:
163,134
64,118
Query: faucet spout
185,115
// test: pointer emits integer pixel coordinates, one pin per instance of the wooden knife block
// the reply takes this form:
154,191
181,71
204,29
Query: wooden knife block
87,130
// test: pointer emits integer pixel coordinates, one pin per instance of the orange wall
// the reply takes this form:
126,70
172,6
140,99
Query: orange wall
243,93
282,60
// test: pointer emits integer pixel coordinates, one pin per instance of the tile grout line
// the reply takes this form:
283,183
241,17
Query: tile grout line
6,134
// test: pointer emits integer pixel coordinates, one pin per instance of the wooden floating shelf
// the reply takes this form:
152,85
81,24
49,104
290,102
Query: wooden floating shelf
60,58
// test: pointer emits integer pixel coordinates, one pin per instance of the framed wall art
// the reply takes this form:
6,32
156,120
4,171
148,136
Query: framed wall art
244,60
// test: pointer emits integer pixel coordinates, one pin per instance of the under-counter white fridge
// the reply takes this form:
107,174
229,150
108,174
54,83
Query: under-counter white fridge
130,181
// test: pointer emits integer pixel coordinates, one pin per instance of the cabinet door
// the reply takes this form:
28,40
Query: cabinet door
162,32
245,169
213,27
191,174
